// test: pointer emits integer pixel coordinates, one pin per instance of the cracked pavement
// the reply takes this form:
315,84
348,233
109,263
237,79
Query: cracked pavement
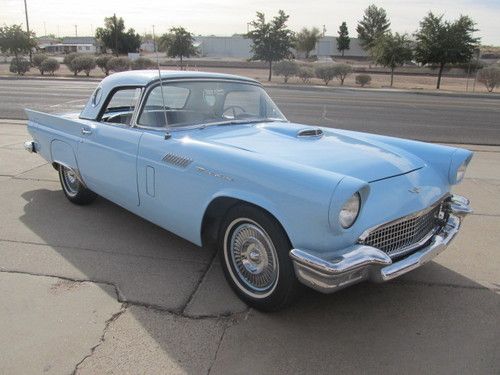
95,289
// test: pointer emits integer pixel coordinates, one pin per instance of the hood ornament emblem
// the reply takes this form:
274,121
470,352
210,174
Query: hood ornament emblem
415,190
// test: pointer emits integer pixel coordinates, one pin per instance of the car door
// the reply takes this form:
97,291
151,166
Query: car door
107,154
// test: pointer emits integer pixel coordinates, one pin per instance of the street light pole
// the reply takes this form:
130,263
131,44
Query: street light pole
27,23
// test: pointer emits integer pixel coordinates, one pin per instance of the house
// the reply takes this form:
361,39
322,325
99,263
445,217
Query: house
80,44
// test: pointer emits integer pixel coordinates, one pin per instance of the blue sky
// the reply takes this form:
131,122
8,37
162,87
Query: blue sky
227,17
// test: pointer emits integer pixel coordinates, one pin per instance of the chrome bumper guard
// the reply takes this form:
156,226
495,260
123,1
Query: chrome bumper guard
328,273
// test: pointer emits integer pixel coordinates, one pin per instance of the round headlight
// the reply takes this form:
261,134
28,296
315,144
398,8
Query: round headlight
349,211
461,171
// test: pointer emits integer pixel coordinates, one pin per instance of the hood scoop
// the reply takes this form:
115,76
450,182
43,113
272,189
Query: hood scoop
310,133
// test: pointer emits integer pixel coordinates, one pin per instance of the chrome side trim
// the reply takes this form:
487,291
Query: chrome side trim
330,272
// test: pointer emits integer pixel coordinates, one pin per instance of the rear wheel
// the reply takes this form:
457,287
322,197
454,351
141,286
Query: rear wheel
254,254
74,190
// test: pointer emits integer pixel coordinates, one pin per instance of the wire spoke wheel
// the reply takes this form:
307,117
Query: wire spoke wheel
253,257
70,182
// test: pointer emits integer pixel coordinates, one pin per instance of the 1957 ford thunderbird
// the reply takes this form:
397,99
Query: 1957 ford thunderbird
212,159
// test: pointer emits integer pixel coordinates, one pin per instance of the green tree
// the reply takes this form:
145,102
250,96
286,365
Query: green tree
343,40
19,65
178,42
37,60
442,42
272,41
49,65
341,71
15,41
102,62
490,76
114,37
392,51
286,68
373,25
305,40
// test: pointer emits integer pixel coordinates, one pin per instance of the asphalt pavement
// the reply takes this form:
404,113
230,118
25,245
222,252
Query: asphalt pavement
451,119
97,290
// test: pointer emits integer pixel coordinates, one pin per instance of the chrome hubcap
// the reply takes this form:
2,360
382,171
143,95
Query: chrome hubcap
71,183
253,256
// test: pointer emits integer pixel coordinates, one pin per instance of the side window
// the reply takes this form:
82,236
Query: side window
121,106
247,102
174,98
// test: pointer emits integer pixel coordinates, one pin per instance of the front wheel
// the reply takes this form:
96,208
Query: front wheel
73,189
254,252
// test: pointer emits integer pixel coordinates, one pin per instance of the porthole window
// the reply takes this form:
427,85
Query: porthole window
96,97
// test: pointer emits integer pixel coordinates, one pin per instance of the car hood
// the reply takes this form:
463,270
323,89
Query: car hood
333,151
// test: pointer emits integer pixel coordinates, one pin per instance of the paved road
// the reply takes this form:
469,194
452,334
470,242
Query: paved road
423,117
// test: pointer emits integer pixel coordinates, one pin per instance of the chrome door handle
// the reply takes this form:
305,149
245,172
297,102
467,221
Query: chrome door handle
86,131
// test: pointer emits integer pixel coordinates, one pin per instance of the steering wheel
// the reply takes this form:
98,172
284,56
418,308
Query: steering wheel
234,108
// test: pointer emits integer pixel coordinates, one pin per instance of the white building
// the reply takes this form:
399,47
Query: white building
80,44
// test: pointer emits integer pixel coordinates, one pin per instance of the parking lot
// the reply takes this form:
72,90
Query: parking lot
97,290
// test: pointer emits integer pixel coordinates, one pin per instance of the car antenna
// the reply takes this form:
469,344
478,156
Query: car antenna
167,135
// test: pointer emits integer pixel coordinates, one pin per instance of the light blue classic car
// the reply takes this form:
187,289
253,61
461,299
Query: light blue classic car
212,159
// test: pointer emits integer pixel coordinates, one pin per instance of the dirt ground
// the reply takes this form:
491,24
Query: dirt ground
412,82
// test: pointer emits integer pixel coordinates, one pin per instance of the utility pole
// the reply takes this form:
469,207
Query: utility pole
27,23
76,30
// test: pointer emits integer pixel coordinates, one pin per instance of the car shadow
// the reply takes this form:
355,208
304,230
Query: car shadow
406,325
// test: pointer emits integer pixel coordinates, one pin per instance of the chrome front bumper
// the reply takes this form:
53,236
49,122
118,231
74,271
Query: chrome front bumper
328,273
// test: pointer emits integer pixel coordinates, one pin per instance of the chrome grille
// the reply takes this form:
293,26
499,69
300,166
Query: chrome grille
403,235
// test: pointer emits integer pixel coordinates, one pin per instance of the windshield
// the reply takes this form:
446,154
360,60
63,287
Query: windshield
187,103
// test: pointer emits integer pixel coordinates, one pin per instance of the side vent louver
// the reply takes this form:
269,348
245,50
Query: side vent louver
310,133
177,161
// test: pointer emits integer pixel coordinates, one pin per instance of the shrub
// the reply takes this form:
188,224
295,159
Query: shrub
325,72
49,65
305,73
83,63
286,68
143,63
363,79
102,62
68,59
490,76
118,64
341,71
37,60
19,65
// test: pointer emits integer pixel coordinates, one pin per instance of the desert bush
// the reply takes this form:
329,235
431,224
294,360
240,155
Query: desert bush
363,79
325,72
49,65
119,64
37,60
305,73
341,71
490,76
83,64
19,65
102,62
286,68
68,59
142,63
